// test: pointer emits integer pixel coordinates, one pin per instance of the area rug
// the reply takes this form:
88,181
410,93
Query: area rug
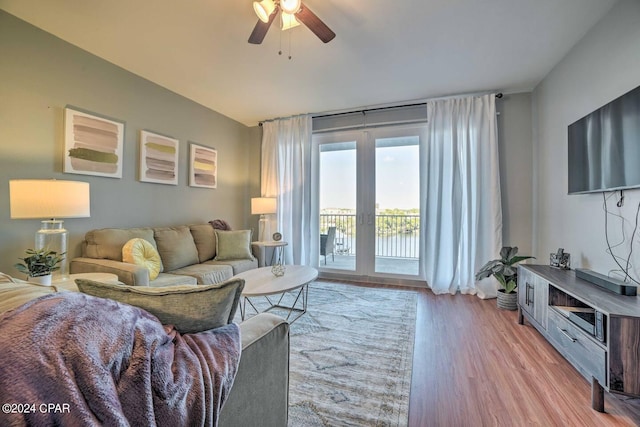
351,357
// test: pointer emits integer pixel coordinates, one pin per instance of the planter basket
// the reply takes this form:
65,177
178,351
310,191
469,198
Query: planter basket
507,301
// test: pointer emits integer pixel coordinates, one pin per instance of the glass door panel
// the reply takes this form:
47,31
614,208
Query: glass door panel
397,205
338,204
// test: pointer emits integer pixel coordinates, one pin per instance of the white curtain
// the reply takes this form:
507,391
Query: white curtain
461,195
286,175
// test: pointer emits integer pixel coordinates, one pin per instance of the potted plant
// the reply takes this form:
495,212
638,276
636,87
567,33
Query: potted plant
506,272
39,264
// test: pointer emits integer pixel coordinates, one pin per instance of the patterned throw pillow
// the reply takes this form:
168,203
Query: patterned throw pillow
141,252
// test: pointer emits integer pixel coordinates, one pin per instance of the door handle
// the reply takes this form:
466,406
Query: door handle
361,219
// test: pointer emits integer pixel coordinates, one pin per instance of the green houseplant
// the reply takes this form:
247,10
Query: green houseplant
505,271
39,264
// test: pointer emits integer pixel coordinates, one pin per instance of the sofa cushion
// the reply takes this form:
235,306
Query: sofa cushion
207,274
107,243
233,245
238,266
166,279
187,307
140,252
205,239
176,247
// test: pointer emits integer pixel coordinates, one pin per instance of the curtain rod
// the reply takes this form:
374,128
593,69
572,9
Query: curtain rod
366,110
499,95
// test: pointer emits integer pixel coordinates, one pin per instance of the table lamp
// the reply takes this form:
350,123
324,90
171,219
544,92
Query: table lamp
53,199
263,206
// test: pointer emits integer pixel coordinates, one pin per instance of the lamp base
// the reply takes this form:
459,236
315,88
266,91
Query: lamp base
264,229
53,236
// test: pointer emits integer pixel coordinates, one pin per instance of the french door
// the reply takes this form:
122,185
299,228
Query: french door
369,201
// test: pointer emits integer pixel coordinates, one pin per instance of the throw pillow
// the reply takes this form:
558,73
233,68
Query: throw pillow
190,308
232,245
176,247
141,252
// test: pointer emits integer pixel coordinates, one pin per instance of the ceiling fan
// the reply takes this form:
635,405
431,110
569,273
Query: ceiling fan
292,12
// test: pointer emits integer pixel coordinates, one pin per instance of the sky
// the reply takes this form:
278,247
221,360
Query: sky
397,178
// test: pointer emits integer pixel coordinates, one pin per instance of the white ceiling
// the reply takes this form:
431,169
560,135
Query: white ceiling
385,52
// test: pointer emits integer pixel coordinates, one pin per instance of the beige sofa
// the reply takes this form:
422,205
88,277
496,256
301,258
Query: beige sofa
188,255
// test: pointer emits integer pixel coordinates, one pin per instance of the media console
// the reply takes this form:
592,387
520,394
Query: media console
596,330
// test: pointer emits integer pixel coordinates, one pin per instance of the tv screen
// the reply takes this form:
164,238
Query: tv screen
604,147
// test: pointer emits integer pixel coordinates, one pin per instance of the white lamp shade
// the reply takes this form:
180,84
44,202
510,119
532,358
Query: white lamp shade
263,205
290,6
264,9
49,198
288,21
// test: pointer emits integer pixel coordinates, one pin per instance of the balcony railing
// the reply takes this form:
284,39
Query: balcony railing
397,236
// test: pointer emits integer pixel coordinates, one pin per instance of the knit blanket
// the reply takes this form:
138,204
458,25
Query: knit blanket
73,359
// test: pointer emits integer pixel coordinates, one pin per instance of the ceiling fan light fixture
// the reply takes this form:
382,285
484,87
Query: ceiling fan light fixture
264,9
288,21
290,6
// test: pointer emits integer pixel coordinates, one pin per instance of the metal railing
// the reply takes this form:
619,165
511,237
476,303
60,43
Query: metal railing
397,236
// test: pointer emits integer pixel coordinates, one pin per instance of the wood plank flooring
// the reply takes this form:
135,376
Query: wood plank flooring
474,365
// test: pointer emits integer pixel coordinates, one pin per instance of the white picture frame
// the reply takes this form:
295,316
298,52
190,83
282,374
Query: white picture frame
203,166
93,145
158,162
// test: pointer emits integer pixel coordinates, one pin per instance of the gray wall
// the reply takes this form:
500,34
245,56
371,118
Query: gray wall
41,74
602,66
516,170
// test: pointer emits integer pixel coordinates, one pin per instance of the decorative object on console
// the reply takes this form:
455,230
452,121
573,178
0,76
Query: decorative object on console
39,265
560,259
506,272
277,236
158,158
49,198
263,206
203,167
93,145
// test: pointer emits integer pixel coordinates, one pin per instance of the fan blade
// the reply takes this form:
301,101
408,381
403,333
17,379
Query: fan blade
314,23
261,28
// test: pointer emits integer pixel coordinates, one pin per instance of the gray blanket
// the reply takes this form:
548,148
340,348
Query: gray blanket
73,359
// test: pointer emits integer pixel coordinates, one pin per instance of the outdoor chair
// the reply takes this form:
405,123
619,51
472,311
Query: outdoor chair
327,244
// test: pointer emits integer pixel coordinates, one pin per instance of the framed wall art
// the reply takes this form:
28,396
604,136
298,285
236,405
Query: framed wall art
158,158
93,145
203,166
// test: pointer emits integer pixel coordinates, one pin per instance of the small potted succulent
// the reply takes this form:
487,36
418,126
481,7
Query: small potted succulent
505,271
39,264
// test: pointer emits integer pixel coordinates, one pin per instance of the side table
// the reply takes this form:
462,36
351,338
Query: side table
69,282
277,256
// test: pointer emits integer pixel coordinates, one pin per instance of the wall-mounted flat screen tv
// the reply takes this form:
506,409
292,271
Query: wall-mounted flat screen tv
604,147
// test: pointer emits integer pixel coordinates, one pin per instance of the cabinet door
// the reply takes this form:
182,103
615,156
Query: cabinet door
526,290
541,300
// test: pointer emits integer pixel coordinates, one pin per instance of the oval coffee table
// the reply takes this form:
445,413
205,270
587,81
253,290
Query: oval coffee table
260,282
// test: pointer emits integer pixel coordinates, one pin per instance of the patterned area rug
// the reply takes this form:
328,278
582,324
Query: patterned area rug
351,357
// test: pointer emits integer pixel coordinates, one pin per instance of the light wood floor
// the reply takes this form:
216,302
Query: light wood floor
475,366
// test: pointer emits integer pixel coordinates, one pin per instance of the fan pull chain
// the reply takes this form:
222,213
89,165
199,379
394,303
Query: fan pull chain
290,45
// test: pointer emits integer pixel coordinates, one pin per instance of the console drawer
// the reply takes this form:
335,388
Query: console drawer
578,347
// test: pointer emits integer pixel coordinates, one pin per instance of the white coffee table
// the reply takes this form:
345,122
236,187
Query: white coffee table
260,282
